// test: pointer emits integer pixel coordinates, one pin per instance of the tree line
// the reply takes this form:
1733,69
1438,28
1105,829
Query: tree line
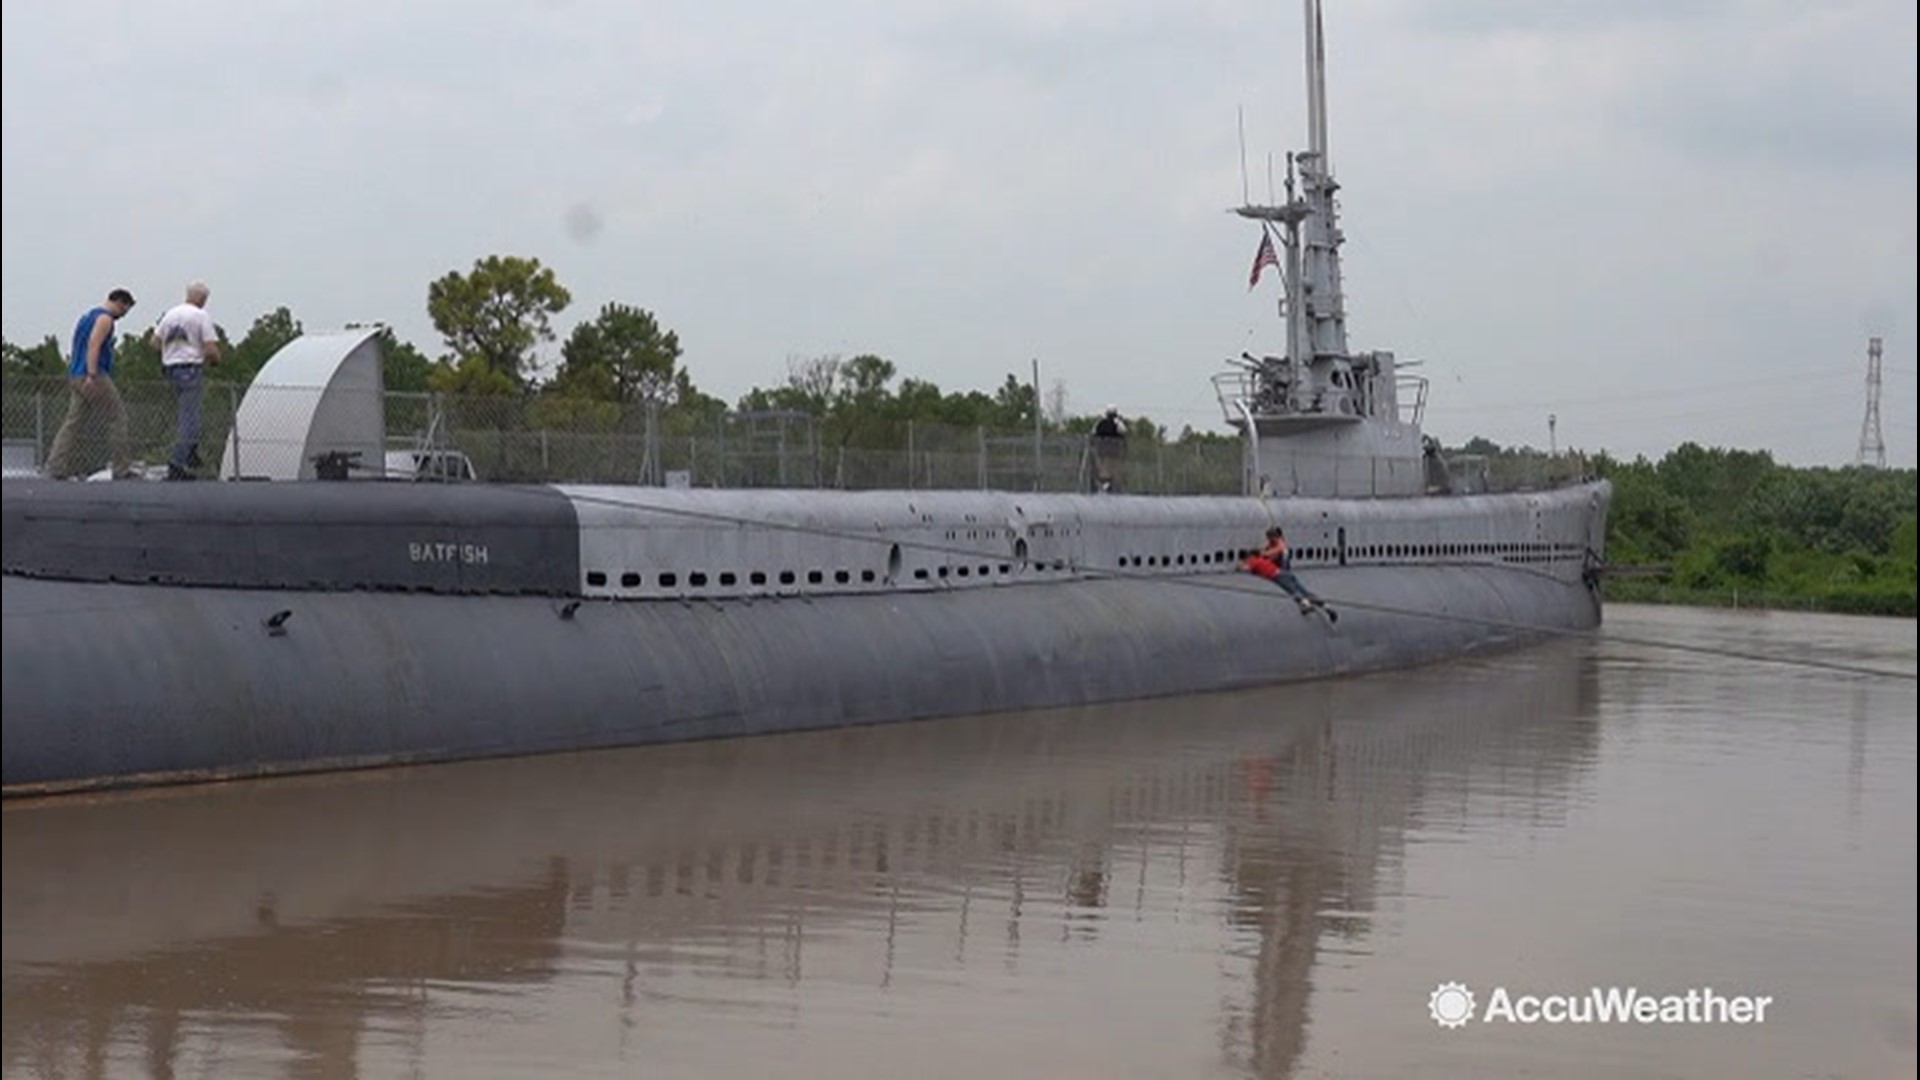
494,317
1716,523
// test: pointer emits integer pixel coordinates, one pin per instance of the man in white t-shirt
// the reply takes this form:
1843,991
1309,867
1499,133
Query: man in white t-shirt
188,342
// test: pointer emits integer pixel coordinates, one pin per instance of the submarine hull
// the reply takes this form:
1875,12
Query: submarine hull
116,684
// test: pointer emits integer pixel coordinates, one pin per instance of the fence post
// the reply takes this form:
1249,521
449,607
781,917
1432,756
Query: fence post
39,427
233,410
656,468
909,455
781,454
980,433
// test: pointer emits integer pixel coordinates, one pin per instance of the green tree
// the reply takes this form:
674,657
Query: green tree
918,399
864,410
136,357
474,377
622,356
407,369
1745,557
268,335
1714,483
43,359
497,314
864,379
698,408
1901,547
1646,522
810,388
1014,404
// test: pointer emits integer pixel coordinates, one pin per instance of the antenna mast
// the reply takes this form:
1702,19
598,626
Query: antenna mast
1317,86
1873,449
1246,193
1308,226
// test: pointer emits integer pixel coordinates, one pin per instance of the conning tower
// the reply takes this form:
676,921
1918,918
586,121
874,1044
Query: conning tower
1320,420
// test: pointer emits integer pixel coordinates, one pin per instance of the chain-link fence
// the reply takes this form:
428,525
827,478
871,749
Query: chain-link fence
260,431
35,408
546,439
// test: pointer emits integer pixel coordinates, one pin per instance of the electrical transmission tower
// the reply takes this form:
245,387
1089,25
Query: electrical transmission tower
1873,449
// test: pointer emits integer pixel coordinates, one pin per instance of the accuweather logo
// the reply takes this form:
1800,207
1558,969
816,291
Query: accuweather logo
1453,1005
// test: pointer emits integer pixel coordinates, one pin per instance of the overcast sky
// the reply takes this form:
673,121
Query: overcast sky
1659,220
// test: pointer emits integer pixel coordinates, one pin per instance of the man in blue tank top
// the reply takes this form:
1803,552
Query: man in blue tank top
92,398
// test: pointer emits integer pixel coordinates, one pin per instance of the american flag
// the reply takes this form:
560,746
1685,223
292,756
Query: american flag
1263,258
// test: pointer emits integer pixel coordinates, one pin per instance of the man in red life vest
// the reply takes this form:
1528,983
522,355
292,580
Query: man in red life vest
1275,563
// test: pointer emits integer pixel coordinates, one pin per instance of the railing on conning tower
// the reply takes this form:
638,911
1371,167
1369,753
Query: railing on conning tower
1415,387
1259,388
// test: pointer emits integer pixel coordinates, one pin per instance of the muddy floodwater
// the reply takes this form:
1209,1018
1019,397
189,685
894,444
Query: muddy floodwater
1468,870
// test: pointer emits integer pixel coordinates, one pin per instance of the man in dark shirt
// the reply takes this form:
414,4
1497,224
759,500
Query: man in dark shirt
1109,449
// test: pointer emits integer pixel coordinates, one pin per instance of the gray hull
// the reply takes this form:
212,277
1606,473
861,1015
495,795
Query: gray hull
116,683
122,684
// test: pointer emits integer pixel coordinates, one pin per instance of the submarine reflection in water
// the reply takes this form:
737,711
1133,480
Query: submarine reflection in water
325,926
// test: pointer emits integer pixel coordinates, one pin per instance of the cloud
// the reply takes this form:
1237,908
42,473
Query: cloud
1550,202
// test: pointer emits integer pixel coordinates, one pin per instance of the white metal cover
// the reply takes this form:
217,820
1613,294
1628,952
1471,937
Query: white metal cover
319,393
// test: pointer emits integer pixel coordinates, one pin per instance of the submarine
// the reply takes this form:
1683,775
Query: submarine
286,620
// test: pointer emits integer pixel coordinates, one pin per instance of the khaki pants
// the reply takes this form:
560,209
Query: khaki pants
87,412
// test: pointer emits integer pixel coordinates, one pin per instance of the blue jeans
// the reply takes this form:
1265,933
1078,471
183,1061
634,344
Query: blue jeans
1293,588
187,391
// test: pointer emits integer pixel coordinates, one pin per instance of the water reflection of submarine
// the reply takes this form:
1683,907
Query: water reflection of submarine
736,817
